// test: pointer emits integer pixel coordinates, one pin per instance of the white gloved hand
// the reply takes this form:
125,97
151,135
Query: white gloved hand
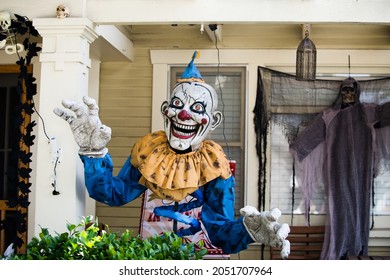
90,134
264,228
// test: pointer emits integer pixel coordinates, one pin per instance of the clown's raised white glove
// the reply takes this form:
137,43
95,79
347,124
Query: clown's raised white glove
90,134
264,228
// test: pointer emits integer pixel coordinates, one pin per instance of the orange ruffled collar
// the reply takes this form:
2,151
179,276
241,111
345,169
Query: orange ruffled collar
173,176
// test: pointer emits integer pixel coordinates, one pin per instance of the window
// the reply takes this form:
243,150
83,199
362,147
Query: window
8,164
229,84
282,195
285,193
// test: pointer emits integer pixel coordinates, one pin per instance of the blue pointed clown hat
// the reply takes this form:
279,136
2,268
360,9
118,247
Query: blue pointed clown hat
191,73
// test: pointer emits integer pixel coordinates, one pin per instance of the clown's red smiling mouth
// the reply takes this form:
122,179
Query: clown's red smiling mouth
183,131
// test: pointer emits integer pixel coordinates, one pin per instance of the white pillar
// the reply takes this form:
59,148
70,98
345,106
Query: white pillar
64,73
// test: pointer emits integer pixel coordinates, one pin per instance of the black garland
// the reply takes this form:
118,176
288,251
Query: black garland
23,126
293,193
261,121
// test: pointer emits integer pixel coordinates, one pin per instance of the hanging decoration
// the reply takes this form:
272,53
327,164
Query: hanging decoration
20,29
281,89
306,62
261,121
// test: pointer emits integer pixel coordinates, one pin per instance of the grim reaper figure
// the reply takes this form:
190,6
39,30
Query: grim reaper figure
174,164
342,147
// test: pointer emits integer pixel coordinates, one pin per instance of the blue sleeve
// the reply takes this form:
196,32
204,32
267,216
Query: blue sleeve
218,217
106,188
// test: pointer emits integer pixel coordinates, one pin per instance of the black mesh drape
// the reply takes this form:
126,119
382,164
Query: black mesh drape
344,149
261,121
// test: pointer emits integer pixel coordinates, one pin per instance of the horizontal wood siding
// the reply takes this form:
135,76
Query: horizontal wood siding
120,219
125,103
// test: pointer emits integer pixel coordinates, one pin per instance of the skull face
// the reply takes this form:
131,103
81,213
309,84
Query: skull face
62,11
190,114
5,20
348,95
350,92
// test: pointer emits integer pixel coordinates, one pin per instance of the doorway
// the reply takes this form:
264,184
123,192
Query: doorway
10,146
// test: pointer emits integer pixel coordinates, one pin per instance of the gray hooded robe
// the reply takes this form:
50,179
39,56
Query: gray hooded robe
340,149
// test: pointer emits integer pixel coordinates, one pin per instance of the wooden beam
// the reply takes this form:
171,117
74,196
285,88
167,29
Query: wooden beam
214,31
118,41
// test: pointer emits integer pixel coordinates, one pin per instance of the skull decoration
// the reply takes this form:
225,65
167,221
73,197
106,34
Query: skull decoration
350,91
62,11
5,20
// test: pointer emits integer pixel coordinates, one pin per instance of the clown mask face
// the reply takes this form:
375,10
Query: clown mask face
190,114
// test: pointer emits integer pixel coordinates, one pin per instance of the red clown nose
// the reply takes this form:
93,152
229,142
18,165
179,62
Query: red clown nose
184,116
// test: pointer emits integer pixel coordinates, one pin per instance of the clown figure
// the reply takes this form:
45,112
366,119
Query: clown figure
173,164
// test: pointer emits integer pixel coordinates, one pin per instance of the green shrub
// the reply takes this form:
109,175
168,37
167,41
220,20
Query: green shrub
86,241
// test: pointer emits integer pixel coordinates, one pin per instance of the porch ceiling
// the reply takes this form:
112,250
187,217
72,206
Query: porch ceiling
279,36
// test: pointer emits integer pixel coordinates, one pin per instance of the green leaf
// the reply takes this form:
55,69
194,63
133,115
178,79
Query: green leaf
71,227
86,243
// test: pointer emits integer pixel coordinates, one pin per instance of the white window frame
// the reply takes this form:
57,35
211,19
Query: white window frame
375,62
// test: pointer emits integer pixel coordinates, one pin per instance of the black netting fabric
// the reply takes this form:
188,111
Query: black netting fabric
344,148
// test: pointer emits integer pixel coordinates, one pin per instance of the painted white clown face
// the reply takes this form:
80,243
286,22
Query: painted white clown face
190,114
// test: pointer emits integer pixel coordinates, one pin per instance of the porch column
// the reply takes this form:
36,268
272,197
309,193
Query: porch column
64,71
